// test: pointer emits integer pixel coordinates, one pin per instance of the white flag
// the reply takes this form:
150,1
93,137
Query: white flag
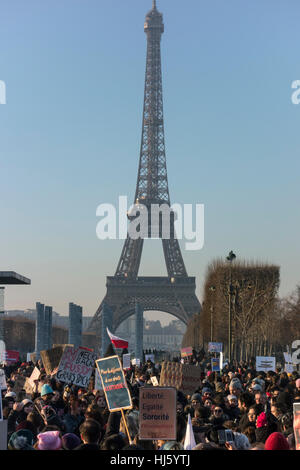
189,441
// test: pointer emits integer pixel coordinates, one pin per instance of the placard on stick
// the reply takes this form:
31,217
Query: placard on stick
76,366
114,383
157,413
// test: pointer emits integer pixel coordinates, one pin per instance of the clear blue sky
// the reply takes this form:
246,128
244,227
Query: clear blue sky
70,135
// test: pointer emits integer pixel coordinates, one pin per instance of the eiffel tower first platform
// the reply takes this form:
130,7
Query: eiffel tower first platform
174,294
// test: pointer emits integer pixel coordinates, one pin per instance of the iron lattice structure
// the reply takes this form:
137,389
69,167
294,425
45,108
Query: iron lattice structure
174,294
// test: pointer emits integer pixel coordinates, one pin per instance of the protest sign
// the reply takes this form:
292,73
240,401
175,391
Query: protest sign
12,356
2,380
183,377
265,363
154,381
34,376
296,424
157,413
126,361
215,364
3,434
51,358
185,352
76,366
114,383
28,387
136,362
149,357
215,347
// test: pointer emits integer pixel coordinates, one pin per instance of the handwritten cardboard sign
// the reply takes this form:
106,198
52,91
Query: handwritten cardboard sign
183,377
157,413
2,380
76,366
114,383
51,358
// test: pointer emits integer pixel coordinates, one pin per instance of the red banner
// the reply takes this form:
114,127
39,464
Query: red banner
12,356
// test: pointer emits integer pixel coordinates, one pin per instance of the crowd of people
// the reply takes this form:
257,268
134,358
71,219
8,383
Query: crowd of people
256,407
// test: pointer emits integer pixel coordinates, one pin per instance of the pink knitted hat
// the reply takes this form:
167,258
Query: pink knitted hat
261,420
49,440
298,383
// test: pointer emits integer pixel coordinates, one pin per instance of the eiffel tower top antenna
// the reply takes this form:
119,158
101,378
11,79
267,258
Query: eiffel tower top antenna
153,4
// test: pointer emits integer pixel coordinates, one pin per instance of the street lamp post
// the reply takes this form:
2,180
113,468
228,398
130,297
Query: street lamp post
230,258
212,289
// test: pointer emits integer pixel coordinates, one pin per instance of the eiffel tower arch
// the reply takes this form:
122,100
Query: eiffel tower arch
175,293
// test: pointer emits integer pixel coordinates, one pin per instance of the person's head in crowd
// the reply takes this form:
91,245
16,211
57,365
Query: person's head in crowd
297,383
21,440
276,410
206,393
70,441
47,393
245,400
260,398
276,441
241,441
233,401
11,396
217,416
172,445
27,406
56,396
196,401
249,431
100,399
90,432
114,442
235,388
49,440
252,415
94,412
287,423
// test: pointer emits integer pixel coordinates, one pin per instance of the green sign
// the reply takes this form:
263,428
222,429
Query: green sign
114,383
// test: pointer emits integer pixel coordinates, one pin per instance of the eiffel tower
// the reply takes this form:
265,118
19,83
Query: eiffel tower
174,294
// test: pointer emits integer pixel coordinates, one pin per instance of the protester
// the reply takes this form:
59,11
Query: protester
254,408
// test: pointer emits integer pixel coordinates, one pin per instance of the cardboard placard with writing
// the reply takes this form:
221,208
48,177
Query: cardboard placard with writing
114,383
51,358
34,376
183,377
265,363
3,384
28,387
76,366
157,413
